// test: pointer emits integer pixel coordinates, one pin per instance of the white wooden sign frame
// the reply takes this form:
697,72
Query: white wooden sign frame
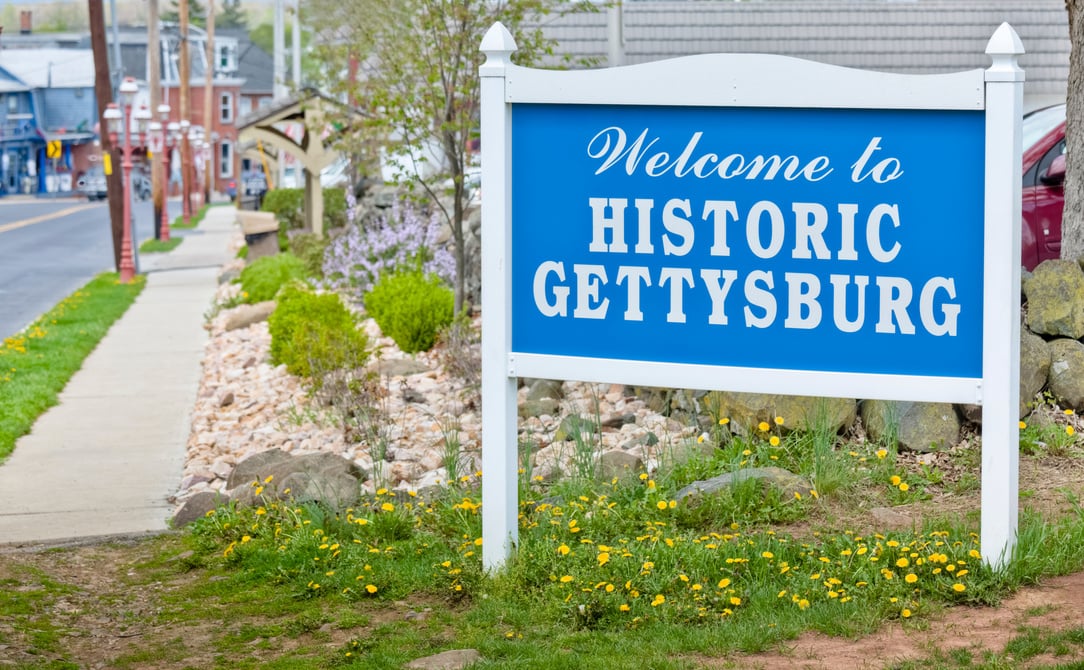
758,81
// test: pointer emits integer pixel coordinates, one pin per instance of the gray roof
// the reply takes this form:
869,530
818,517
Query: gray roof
906,36
44,68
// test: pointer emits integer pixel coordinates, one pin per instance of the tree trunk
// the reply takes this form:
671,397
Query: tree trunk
103,91
1072,227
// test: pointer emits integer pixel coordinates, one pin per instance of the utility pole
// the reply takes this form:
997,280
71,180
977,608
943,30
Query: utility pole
103,91
186,112
295,48
154,50
208,102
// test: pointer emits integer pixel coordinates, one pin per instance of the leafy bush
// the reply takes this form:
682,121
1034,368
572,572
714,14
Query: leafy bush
315,334
261,279
411,308
310,249
403,240
288,204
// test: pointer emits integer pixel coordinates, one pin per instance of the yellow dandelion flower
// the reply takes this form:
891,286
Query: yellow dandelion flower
624,608
894,480
1069,430
881,453
902,563
904,486
779,421
905,613
767,554
803,604
958,587
661,504
370,588
658,600
735,601
1023,425
1068,412
763,426
603,559
268,478
609,588
563,550
911,578
723,421
245,538
974,553
773,440
724,582
566,579
701,438
388,507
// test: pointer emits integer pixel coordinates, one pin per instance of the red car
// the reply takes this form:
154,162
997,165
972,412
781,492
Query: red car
1043,188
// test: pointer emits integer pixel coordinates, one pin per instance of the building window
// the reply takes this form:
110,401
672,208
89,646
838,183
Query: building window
226,60
225,159
226,108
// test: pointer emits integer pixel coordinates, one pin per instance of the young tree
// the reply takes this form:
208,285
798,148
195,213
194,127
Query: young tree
197,13
231,16
1072,226
416,64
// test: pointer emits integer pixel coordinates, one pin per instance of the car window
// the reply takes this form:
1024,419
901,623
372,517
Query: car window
1041,122
1044,163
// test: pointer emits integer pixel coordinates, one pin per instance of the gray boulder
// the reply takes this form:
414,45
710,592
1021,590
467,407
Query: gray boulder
803,413
274,474
1067,372
1034,370
1055,295
618,463
456,659
197,507
919,426
244,316
786,481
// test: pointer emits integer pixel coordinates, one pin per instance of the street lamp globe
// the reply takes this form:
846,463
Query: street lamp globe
163,112
142,118
112,116
128,89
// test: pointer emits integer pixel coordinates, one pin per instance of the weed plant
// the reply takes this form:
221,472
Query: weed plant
37,363
624,555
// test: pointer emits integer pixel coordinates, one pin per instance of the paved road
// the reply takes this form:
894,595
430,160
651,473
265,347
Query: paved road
51,247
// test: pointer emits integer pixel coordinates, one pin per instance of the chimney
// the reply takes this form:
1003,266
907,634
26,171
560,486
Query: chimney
26,22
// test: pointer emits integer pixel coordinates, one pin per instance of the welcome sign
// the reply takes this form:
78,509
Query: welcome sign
755,223
830,240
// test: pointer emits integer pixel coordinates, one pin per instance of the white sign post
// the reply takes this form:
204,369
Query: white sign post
755,223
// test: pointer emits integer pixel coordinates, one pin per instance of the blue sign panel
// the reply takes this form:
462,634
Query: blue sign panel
832,240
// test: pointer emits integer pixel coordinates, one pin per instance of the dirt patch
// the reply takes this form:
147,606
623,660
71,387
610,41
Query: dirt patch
1053,606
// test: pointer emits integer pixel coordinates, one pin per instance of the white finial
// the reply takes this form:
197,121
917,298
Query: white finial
1005,42
1004,50
498,44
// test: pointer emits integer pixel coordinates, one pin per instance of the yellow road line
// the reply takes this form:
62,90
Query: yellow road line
44,217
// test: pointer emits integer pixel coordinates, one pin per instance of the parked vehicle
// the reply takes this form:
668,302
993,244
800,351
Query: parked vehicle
92,183
1043,192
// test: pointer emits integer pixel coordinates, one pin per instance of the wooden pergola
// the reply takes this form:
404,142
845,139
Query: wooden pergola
315,112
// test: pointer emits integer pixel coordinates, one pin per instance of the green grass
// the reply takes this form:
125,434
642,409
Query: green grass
36,364
194,220
153,246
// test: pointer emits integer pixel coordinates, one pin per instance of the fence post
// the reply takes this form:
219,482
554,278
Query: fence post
500,467
1001,299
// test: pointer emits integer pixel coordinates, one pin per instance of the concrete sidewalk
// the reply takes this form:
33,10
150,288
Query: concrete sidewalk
103,460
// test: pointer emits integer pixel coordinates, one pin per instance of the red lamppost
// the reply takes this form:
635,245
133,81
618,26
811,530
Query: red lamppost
114,118
165,128
186,180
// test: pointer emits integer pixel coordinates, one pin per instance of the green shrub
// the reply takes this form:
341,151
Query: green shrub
261,279
288,204
310,249
411,308
334,208
315,334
